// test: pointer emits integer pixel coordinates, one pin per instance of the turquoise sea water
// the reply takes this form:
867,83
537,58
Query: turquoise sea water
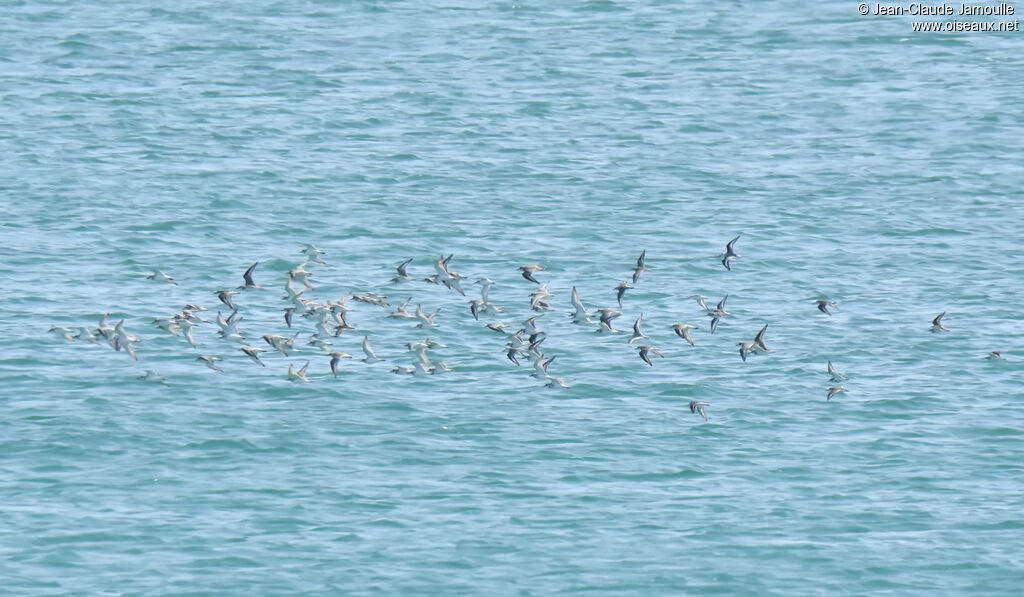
861,162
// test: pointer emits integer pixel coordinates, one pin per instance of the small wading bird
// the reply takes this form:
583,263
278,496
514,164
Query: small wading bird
718,313
730,254
937,323
683,331
402,274
253,353
529,270
825,304
159,276
697,407
640,266
247,277
637,332
211,362
621,290
299,375
836,375
645,352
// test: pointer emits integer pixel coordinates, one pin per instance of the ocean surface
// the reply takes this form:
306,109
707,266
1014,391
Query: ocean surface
860,162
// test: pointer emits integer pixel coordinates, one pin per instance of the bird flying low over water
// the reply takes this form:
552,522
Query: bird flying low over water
313,254
401,312
225,297
759,340
718,313
835,390
638,334
640,266
697,407
836,375
995,355
63,332
646,350
701,301
152,377
607,315
683,331
937,323
368,351
580,314
247,276
825,304
336,360
730,254
159,276
253,353
211,362
299,375
529,270
621,290
424,319
402,274
475,307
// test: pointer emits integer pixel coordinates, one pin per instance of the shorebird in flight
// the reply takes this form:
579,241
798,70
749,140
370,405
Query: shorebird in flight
581,314
759,341
529,270
211,362
937,323
151,376
718,313
640,266
247,276
253,353
225,297
637,332
313,254
368,351
300,274
730,254
823,306
683,331
645,352
530,327
401,312
607,315
159,276
621,290
402,274
835,390
697,407
475,307
701,301
836,375
425,320
336,360
299,375
996,355
62,332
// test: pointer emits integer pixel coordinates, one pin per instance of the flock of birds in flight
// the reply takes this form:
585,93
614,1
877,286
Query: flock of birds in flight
525,342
